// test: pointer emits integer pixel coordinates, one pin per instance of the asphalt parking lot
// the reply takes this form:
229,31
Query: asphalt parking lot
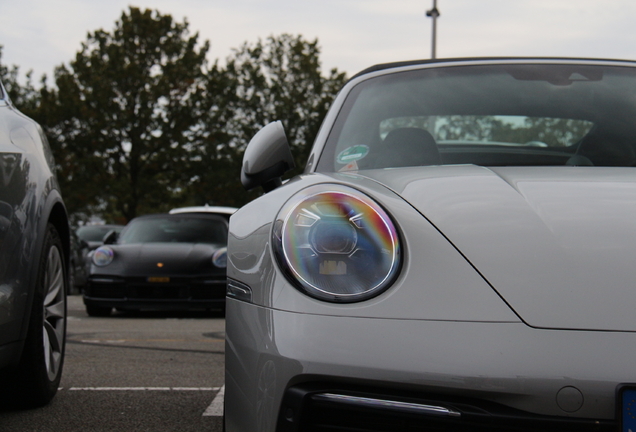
144,372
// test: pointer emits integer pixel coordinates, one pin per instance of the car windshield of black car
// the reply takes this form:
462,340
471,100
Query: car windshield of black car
175,230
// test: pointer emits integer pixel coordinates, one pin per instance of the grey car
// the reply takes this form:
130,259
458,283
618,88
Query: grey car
34,256
458,255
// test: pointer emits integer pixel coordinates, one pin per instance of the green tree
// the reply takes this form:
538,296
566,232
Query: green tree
125,119
213,176
25,97
554,132
276,79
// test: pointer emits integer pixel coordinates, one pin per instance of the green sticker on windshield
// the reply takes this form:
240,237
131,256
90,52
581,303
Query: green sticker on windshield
353,153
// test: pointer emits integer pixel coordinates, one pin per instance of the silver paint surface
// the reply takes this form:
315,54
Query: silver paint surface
517,288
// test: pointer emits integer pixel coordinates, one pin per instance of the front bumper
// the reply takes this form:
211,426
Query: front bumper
332,407
179,293
279,366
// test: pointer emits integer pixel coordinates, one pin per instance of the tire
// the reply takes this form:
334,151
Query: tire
98,311
40,369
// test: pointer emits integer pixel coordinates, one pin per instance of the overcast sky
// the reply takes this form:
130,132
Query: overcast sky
353,34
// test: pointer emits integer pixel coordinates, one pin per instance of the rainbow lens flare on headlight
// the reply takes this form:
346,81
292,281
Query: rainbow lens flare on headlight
337,244
219,258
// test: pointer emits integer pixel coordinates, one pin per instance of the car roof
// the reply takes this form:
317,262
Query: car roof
204,209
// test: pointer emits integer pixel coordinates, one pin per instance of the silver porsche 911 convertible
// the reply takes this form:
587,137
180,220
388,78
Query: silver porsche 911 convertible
459,254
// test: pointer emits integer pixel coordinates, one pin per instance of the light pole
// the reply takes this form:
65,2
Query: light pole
434,13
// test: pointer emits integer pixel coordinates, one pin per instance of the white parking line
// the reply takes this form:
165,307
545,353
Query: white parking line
145,388
214,410
216,407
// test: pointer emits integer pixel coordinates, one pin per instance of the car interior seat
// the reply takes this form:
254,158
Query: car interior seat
408,147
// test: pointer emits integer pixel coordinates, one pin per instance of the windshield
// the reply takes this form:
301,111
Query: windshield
175,229
492,115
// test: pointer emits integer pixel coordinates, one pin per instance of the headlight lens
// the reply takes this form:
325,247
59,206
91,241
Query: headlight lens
103,256
337,244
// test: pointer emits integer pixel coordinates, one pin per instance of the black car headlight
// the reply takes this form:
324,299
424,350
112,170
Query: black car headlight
219,258
337,244
103,256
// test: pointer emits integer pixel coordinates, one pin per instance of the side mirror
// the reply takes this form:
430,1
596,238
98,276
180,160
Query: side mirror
110,237
267,157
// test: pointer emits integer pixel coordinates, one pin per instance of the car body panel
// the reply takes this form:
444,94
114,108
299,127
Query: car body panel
508,363
535,235
29,200
427,288
143,259
515,287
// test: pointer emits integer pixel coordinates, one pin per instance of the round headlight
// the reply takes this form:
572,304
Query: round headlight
103,256
337,244
219,259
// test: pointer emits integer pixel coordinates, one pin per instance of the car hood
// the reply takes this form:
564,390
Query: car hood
557,243
162,259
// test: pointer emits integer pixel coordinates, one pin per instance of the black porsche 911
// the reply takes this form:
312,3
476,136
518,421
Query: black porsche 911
161,262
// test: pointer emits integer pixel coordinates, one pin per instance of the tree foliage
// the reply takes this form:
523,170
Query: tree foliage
24,96
281,79
553,132
139,122
276,79
126,115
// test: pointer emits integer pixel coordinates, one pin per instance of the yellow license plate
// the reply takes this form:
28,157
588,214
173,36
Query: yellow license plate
159,279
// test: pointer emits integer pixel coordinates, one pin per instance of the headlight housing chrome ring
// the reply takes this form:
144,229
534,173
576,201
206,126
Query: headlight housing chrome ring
337,244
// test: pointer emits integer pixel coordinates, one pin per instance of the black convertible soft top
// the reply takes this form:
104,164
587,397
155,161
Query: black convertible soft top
383,66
